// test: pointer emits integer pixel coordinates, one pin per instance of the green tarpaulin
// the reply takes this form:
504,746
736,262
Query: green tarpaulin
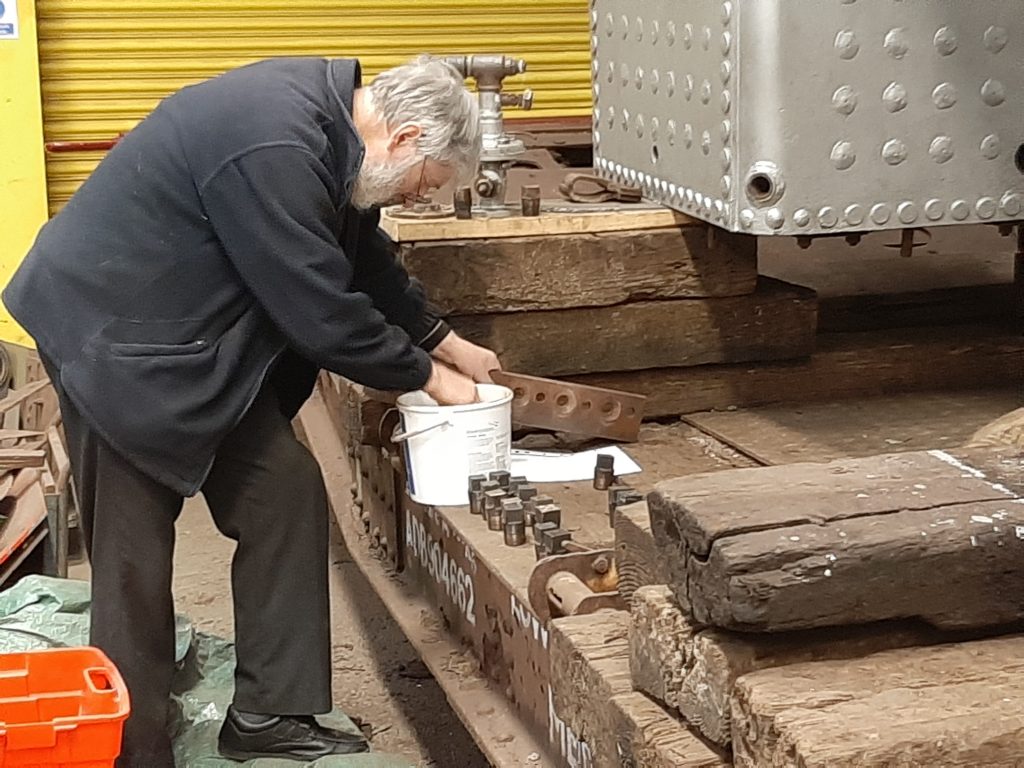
41,612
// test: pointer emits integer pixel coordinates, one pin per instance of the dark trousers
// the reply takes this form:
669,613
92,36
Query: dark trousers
266,493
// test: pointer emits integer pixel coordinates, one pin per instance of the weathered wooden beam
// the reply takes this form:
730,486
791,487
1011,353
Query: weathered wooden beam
848,542
843,365
948,705
636,555
694,670
21,458
569,219
647,736
774,323
660,643
590,665
588,270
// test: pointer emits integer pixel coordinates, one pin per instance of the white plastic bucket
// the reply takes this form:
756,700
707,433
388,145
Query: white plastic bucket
445,444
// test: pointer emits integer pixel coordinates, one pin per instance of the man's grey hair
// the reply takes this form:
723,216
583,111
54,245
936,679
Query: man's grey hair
432,94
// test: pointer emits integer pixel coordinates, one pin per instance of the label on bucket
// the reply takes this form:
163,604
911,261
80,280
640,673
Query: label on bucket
487,448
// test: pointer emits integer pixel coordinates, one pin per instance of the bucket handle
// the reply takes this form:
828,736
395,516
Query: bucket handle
401,437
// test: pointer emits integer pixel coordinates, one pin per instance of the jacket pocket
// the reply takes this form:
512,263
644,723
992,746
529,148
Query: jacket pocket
131,349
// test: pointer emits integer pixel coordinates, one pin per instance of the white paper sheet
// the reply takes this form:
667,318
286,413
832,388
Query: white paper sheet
551,467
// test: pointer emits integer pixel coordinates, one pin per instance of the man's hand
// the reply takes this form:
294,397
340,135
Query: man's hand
472,360
449,387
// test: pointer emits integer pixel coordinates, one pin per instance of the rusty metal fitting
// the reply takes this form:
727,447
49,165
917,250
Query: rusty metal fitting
619,495
548,513
529,198
604,472
531,505
492,502
476,494
526,492
540,532
602,565
494,520
515,534
512,510
550,541
462,200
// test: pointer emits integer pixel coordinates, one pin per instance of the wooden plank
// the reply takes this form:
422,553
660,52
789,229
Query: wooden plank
23,480
776,322
59,458
694,670
569,219
846,542
38,410
948,705
17,397
843,365
593,270
649,737
660,642
636,555
709,507
861,427
589,665
20,458
9,435
25,512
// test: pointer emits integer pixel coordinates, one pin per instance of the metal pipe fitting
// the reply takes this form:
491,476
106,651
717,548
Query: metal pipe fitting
498,149
549,513
529,198
515,534
604,472
462,201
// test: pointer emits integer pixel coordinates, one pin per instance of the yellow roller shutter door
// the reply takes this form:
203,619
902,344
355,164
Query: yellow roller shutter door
106,63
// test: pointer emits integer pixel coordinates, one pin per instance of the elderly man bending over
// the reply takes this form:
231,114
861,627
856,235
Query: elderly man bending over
183,301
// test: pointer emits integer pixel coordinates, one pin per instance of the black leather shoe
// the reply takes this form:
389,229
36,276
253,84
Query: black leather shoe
248,737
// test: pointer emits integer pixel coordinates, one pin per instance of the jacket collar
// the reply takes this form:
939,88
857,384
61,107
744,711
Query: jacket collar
344,76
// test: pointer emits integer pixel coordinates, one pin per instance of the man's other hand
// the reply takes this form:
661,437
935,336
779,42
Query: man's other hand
450,387
474,361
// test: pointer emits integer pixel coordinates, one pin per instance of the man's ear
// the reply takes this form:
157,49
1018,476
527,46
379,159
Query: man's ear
406,135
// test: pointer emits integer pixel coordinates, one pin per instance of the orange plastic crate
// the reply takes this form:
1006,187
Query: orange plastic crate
61,707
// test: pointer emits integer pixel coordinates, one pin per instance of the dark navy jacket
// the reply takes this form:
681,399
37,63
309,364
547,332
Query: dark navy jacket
213,238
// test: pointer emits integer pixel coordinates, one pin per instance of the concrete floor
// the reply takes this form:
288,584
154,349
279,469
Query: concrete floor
378,678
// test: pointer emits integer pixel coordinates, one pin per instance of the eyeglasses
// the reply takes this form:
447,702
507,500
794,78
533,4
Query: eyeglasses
417,197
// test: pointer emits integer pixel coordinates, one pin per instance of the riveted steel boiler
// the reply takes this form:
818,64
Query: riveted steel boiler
810,117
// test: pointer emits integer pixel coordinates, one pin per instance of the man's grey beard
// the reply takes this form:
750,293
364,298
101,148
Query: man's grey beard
379,184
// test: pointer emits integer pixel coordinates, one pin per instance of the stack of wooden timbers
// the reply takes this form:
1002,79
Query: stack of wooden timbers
851,613
608,293
650,301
